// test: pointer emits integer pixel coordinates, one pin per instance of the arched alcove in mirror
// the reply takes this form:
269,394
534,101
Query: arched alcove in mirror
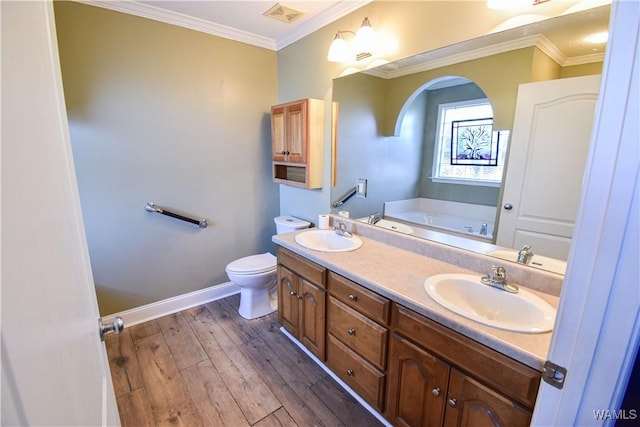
440,171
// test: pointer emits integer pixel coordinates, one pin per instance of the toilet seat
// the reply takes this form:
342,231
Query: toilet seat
254,264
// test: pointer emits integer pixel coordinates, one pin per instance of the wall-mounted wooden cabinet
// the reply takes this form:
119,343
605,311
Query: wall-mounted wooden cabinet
297,141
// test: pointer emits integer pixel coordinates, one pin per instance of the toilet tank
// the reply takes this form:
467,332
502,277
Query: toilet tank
287,223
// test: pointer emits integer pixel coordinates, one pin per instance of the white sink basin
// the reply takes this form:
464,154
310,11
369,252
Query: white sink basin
327,241
465,295
539,261
391,225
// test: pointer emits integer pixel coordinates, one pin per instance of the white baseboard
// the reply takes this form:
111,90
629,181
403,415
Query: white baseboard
173,305
337,378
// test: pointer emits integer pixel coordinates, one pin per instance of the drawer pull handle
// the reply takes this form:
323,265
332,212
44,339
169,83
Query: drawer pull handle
351,331
349,372
353,297
453,402
436,391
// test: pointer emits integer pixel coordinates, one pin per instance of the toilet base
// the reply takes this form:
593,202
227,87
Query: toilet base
256,303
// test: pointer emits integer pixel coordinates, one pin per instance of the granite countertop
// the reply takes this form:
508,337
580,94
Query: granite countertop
399,275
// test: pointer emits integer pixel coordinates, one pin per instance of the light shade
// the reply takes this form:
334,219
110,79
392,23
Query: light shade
365,37
339,50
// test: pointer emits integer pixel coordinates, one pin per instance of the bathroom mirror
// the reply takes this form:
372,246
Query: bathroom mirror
387,128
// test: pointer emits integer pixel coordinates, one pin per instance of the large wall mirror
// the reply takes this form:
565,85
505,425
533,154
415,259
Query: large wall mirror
396,123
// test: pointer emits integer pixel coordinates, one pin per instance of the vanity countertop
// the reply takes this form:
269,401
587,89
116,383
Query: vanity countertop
399,275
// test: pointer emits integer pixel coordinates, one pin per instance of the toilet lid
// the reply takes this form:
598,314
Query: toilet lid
253,264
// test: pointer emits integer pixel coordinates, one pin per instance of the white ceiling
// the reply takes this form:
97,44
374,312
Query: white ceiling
240,20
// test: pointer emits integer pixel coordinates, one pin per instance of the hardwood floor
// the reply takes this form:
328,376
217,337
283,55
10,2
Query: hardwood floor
207,366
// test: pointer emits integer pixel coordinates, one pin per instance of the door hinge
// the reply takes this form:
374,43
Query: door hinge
554,374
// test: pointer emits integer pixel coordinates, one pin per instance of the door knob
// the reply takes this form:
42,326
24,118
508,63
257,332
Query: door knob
115,327
351,331
508,206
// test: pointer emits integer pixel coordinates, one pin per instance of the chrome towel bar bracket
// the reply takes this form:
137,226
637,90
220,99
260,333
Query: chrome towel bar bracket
151,207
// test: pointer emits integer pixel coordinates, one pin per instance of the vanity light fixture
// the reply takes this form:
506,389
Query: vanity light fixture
364,44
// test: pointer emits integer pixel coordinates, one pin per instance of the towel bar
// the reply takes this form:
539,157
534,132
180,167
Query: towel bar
151,207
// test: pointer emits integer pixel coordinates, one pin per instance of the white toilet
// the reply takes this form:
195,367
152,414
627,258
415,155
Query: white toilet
256,275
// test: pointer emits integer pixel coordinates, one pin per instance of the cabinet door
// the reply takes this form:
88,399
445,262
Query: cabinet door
417,385
472,404
296,131
312,317
278,134
288,313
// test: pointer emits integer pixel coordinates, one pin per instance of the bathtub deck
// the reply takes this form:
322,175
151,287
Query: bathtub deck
208,366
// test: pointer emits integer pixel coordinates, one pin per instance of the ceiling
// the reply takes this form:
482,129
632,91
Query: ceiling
245,20
241,20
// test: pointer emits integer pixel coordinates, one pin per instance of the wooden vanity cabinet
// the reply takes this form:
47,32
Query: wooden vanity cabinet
439,377
297,141
413,370
357,336
302,300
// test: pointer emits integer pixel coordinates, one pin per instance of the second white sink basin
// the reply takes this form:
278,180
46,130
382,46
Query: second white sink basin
465,295
327,241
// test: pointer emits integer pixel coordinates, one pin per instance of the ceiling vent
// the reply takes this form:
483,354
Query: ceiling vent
283,13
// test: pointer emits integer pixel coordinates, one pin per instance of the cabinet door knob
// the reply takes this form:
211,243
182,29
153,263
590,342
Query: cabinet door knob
287,153
436,391
453,402
283,152
349,372
353,297
351,331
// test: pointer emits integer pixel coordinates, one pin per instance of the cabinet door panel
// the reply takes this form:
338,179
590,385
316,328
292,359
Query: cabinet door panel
278,136
296,132
312,317
477,405
288,313
417,385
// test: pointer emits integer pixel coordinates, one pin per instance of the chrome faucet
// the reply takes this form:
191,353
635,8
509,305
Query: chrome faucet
525,255
374,218
483,229
341,229
498,279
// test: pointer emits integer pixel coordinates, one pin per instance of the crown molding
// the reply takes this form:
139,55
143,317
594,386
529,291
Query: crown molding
299,31
144,10
468,53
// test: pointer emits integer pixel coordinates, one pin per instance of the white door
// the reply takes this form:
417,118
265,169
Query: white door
548,152
54,366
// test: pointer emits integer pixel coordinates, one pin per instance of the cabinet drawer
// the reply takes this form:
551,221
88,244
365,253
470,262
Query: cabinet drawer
360,375
357,297
494,369
361,334
303,267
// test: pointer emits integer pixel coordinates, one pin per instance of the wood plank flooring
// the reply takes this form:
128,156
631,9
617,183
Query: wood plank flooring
207,366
